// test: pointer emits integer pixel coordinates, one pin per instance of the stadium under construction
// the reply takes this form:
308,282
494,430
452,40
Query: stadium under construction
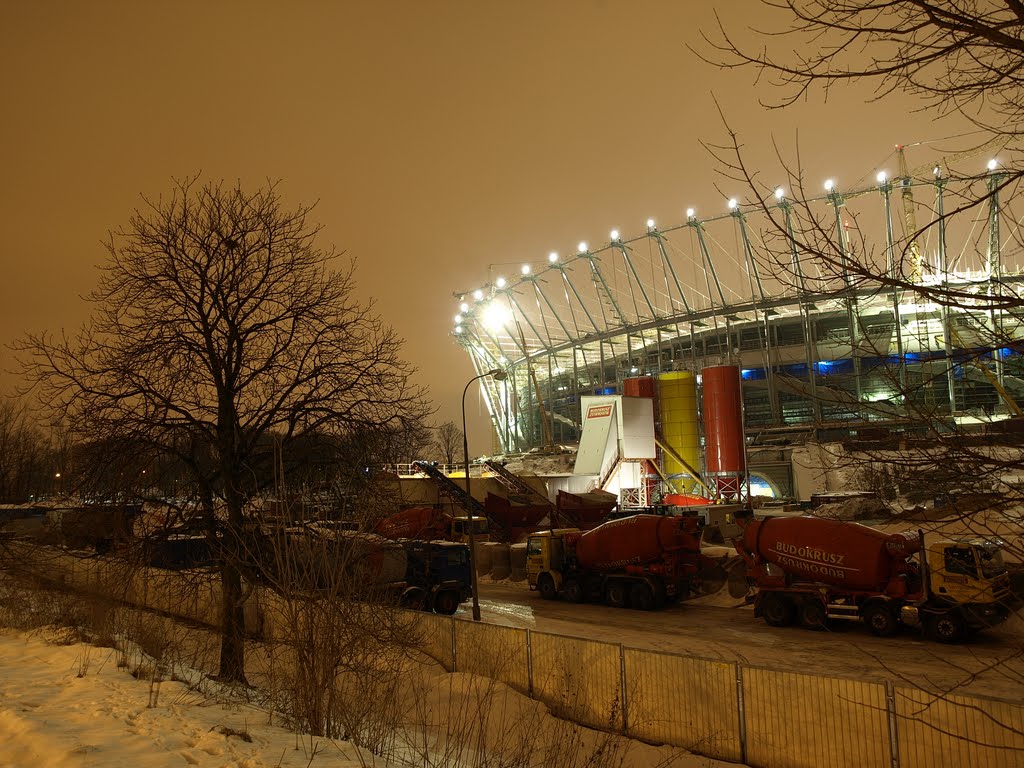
845,314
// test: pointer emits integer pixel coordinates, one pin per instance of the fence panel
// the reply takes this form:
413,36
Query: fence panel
578,679
686,702
493,651
193,595
805,721
436,638
957,731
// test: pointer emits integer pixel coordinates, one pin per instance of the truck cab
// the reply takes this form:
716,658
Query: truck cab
545,558
461,526
971,573
438,575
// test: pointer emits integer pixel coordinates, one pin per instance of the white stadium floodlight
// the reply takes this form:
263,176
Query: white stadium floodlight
496,316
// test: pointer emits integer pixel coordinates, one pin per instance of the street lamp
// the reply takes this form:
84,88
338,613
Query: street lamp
498,375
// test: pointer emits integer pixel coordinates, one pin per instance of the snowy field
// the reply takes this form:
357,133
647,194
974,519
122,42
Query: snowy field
72,705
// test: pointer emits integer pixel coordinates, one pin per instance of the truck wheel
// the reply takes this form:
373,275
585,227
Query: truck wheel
738,585
414,599
446,602
641,597
777,610
713,579
812,614
616,595
880,620
660,597
573,591
946,627
546,587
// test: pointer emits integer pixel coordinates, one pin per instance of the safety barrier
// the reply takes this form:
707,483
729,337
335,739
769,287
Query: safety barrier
730,711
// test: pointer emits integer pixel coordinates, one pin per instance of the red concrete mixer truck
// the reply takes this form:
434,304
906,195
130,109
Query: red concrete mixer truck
643,561
811,570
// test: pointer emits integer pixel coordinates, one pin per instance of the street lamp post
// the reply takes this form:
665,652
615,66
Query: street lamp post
498,375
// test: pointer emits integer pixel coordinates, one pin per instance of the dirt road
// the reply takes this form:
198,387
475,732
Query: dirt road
990,664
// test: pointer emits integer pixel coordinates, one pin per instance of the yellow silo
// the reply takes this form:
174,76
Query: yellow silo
677,404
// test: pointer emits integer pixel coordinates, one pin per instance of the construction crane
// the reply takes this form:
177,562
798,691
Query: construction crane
907,191
909,215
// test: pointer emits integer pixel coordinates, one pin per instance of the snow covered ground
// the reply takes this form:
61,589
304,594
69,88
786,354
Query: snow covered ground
75,705
72,705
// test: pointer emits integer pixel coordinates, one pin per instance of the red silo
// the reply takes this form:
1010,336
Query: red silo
724,456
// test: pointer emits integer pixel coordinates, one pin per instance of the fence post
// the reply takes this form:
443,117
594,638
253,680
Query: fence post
890,709
622,687
529,662
742,714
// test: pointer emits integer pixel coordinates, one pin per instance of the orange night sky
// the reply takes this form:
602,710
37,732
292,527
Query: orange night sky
447,142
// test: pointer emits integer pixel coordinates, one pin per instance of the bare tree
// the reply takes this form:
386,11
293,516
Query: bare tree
448,441
26,463
218,329
958,55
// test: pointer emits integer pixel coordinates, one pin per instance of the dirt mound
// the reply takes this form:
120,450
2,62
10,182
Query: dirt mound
854,509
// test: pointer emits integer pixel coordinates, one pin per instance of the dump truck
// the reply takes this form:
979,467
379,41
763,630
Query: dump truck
642,561
811,570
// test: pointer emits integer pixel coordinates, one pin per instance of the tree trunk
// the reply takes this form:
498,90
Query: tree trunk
232,642
232,639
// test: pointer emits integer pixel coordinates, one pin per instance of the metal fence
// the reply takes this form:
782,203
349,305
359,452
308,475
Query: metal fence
738,712
731,711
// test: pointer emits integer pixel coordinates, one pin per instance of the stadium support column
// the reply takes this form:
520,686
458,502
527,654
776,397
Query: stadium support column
890,270
754,279
995,268
947,323
851,293
709,275
810,342
670,269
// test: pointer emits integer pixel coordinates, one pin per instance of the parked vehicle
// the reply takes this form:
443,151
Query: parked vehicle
811,570
643,561
438,575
